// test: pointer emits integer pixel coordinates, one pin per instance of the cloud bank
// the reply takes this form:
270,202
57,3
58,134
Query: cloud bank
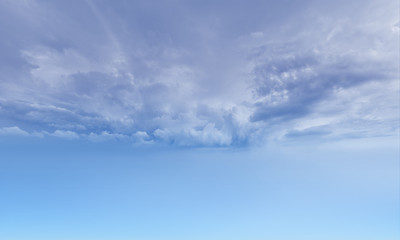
191,74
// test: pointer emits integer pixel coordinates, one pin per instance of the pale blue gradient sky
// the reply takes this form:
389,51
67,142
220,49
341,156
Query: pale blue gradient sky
63,189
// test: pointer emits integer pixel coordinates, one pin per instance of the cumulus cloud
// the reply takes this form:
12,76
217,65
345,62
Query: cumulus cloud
202,76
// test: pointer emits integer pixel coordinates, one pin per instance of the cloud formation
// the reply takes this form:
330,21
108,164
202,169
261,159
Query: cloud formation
195,74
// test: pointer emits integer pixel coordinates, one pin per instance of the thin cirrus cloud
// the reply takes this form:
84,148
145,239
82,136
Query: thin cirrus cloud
209,74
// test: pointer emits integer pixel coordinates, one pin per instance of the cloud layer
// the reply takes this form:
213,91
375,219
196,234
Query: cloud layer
190,74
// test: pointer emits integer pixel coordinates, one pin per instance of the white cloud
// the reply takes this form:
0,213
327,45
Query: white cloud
106,136
64,134
12,131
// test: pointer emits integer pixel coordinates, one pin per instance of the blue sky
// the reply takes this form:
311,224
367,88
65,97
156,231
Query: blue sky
60,189
199,119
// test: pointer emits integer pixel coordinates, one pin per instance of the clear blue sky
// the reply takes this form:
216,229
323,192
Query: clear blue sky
217,120
58,189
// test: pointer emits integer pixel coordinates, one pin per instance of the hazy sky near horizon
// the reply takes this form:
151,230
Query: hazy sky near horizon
199,120
82,190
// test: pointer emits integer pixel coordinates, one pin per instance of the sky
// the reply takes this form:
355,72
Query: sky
239,120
